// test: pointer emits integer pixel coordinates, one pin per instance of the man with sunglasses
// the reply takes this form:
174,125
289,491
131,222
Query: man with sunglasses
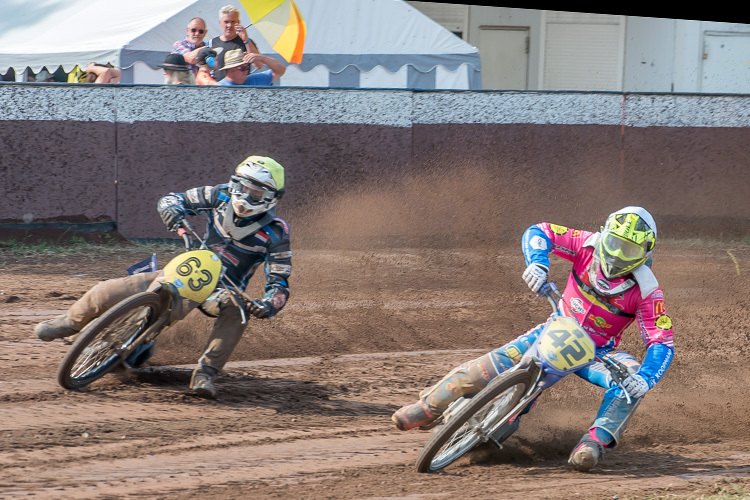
243,231
610,286
239,65
233,37
190,46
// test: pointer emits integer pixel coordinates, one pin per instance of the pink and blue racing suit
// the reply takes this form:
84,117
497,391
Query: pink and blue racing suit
605,318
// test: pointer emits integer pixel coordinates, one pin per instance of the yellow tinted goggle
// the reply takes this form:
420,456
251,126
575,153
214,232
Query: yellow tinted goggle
622,249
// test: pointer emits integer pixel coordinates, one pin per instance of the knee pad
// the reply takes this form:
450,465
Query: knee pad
465,380
215,303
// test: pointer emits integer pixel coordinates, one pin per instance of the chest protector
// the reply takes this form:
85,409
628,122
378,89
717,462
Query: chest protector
238,233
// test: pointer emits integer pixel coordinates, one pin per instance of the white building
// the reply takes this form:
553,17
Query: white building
525,49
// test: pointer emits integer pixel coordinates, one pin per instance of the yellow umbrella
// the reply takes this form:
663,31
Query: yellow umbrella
281,24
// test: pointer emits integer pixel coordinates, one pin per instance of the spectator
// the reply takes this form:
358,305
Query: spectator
238,65
176,71
206,62
190,46
233,36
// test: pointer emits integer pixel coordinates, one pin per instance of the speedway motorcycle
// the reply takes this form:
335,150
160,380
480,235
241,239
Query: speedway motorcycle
493,413
117,337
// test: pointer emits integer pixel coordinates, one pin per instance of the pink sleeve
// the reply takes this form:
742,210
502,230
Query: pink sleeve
566,242
653,321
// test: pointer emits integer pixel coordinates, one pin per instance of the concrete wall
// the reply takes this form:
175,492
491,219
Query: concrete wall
82,153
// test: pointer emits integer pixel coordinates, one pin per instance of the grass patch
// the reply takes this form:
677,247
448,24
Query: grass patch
78,246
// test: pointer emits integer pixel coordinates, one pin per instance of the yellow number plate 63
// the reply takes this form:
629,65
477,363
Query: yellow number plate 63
194,274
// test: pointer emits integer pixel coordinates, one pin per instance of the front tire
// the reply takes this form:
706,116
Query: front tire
96,351
468,427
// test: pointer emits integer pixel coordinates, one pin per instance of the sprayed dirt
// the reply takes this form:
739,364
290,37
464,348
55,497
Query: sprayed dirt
382,305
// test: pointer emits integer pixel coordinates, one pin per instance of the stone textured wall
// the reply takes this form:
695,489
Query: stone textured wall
84,153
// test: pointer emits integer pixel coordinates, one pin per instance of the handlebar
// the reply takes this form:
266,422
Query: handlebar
550,292
183,230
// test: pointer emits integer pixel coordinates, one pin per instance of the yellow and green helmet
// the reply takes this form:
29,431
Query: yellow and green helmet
256,185
627,240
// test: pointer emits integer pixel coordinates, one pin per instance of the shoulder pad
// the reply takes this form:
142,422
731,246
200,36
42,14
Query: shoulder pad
280,223
592,240
646,280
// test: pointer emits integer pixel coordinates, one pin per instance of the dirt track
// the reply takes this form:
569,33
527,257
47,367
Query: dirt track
304,407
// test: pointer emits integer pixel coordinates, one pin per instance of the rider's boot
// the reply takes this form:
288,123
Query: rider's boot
202,381
413,416
588,452
56,328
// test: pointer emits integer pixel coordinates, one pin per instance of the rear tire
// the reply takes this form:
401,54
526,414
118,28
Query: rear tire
468,426
95,351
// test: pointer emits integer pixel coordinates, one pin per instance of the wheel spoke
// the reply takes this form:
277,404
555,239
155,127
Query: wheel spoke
471,423
120,333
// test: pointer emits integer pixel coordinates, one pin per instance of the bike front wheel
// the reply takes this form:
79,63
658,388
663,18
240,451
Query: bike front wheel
472,423
100,346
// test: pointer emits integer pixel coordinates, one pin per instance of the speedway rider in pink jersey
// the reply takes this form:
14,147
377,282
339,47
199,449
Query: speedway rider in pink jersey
610,286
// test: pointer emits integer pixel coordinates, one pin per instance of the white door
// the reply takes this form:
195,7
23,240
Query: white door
504,54
583,52
726,62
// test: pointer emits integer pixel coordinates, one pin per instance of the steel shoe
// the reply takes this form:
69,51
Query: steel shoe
202,382
141,354
413,415
55,328
586,454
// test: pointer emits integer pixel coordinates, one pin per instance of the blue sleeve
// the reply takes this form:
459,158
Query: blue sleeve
260,78
536,246
655,364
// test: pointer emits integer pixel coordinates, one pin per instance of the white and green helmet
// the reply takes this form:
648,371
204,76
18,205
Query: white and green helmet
256,186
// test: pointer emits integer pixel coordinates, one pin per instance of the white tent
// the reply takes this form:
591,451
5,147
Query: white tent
349,43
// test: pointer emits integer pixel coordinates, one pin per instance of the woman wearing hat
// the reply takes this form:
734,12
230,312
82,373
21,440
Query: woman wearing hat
177,71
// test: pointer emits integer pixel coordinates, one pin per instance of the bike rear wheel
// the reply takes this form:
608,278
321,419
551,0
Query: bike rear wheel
470,425
99,347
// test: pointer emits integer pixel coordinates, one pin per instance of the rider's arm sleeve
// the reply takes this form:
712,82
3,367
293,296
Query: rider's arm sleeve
536,246
655,364
202,199
278,267
657,331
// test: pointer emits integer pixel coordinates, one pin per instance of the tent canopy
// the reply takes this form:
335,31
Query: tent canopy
341,34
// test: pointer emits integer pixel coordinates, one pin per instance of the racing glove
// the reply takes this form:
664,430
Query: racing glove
260,308
172,217
535,276
636,385
171,211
